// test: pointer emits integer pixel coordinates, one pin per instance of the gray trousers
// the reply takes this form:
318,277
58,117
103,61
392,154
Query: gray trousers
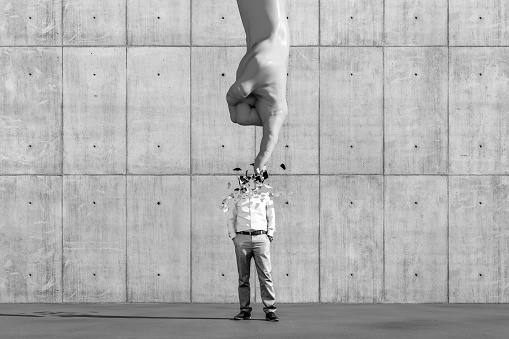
247,247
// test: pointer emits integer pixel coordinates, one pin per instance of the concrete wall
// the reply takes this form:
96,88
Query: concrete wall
116,148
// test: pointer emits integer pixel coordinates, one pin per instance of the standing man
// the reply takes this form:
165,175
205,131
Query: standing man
251,226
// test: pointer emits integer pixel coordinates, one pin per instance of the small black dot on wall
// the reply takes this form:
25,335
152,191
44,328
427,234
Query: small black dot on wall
480,274
416,274
415,146
93,202
415,202
30,17
480,74
159,17
158,274
286,274
30,74
480,202
222,274
351,74
480,145
351,202
158,145
351,146
29,274
93,274
286,203
416,18
286,17
222,74
480,18
94,146
222,17
159,203
222,145
351,274
94,17
286,74
30,203
158,74
286,146
351,18
29,145
415,74
94,74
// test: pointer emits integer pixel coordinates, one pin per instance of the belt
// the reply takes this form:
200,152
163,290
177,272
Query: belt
253,232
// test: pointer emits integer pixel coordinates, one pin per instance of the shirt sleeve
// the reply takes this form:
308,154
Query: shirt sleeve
271,217
232,217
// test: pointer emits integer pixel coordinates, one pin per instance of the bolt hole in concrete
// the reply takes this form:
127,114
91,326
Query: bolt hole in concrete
29,145
29,274
351,274
30,74
480,202
415,202
286,274
93,274
159,203
351,202
222,74
416,274
158,145
30,203
94,17
416,18
159,17
30,17
480,74
351,18
158,275
415,146
480,274
480,145
480,18
222,274
158,74
286,18
93,202
94,146
415,74
286,203
222,145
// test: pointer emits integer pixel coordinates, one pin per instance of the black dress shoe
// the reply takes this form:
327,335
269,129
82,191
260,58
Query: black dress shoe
271,316
242,315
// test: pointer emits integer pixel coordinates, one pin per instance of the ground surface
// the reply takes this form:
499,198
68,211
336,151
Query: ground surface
214,321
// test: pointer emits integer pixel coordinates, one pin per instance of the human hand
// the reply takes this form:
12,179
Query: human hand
258,96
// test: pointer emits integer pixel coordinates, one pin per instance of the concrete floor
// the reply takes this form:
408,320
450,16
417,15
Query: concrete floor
214,321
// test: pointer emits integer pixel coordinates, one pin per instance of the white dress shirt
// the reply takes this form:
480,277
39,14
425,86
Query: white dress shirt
251,212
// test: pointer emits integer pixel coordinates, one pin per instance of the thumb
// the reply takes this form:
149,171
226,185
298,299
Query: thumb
237,93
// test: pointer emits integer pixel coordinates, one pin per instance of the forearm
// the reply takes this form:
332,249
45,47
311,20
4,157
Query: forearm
262,19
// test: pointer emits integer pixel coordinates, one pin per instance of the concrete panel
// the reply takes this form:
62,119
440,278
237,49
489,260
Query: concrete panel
416,110
94,22
30,239
351,239
416,250
214,267
479,124
158,120
416,22
303,19
94,254
351,23
158,22
479,239
158,239
297,147
94,110
351,110
294,251
478,23
30,22
31,116
217,144
216,23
